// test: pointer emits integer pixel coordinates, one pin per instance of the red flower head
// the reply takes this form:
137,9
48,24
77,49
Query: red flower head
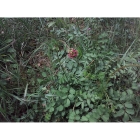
72,53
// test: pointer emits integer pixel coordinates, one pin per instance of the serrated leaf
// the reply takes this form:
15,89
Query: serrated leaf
126,117
128,105
130,111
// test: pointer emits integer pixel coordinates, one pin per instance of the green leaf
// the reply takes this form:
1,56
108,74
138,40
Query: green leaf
71,96
101,75
86,109
44,74
39,80
64,97
120,106
88,102
105,117
77,111
11,50
111,91
82,79
84,119
130,111
77,117
92,119
119,113
126,117
91,106
82,105
80,98
4,75
60,108
123,98
67,103
70,120
95,115
136,119
63,113
64,90
100,111
72,91
51,24
88,115
78,103
52,104
51,109
85,96
70,65
8,41
93,100
129,91
104,34
72,115
124,93
128,105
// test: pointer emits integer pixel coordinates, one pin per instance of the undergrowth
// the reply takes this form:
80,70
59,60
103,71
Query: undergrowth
40,82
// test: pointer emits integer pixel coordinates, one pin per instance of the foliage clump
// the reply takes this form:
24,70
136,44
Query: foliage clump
69,70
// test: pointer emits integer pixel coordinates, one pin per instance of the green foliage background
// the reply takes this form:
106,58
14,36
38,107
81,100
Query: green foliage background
39,83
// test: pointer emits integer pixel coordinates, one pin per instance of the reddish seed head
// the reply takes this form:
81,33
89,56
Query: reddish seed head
72,53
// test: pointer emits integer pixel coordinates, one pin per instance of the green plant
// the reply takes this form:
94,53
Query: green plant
40,83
